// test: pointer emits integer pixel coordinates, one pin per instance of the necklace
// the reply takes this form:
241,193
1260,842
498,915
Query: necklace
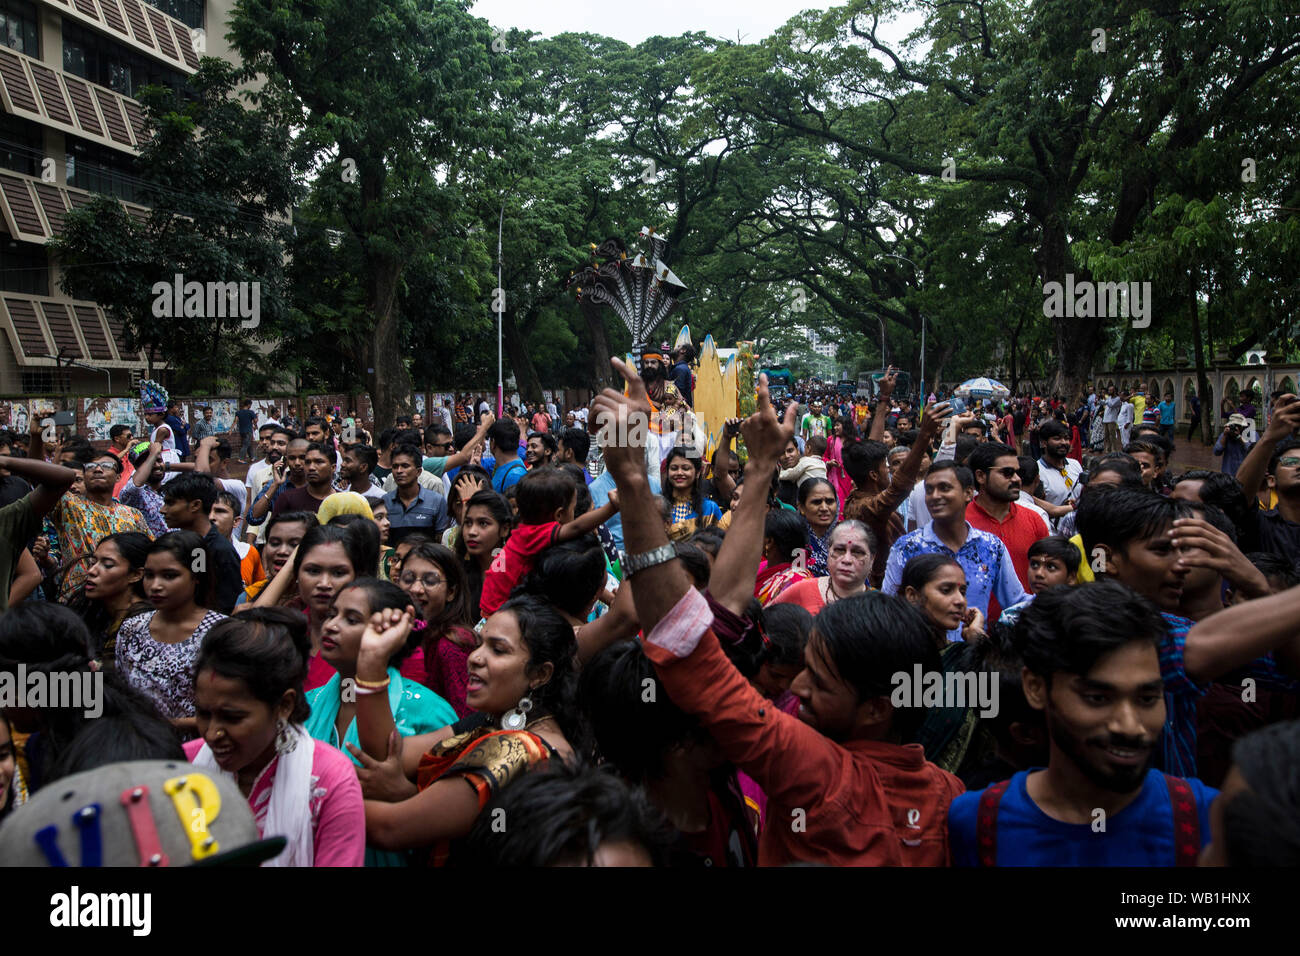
831,592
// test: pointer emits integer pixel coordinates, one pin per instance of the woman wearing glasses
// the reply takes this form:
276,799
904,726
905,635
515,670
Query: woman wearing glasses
434,580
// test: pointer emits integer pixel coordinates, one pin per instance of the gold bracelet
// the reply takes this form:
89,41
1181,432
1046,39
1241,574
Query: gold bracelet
374,685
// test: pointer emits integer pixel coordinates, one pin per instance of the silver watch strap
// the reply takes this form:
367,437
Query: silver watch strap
634,563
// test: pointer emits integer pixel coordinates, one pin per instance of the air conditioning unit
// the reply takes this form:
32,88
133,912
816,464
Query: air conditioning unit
1255,357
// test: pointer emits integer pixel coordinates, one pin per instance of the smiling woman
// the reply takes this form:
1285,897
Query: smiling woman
522,682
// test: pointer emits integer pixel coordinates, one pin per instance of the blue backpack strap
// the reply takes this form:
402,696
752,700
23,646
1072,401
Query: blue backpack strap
1187,821
986,823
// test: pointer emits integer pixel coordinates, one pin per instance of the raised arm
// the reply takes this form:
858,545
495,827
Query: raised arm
463,456
723,483
49,482
660,587
586,523
736,567
27,578
1252,472
882,404
203,455
1236,636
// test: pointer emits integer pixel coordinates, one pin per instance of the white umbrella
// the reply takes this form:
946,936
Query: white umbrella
982,388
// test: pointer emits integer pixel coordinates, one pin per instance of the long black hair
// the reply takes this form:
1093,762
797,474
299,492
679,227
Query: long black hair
133,546
697,494
51,639
550,640
267,648
187,547
505,517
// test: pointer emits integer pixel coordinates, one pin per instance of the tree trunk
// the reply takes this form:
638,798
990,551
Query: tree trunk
1202,381
526,380
601,372
387,377
943,360
1077,339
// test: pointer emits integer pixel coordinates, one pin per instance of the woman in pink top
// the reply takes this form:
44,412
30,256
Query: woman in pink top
250,707
843,431
436,582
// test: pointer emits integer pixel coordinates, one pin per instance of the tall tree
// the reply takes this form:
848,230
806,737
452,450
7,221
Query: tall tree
391,99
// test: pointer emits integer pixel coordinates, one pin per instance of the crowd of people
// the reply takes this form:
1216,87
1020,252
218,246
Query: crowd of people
852,632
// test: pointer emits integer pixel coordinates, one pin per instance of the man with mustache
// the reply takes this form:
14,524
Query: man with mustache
1092,666
669,411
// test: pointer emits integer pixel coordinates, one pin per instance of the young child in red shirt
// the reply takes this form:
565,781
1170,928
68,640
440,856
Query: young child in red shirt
545,500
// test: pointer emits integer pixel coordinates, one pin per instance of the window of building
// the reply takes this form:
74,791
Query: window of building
95,57
24,267
40,381
18,27
99,169
21,144
189,12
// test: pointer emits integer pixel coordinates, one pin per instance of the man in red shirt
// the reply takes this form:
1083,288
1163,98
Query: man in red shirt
997,476
841,789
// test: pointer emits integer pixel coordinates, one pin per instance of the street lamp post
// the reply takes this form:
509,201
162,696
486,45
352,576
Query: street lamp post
501,311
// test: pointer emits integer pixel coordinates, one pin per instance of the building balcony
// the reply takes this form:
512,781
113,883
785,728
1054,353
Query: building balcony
34,91
136,25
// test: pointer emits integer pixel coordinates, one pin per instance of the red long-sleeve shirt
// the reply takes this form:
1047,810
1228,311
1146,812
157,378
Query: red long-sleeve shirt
859,803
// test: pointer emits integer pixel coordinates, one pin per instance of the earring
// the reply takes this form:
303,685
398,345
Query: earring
517,719
286,741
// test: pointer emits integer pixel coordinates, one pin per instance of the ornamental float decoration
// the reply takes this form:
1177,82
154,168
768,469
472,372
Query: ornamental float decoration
639,287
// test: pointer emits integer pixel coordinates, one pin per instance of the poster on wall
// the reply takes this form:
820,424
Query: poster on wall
419,403
223,413
14,416
268,409
103,413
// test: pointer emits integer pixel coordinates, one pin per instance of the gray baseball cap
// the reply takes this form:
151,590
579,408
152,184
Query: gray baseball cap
138,813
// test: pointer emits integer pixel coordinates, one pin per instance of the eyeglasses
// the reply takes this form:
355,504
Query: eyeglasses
1007,472
100,466
1290,462
430,581
440,444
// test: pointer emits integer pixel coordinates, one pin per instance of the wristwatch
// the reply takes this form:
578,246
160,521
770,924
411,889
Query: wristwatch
633,563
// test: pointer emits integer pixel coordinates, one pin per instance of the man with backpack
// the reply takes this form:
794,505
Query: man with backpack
1092,666
503,437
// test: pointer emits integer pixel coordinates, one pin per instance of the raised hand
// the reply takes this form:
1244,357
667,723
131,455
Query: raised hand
384,636
1205,546
934,416
1285,420
765,435
621,423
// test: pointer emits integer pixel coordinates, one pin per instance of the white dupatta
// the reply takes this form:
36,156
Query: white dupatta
288,813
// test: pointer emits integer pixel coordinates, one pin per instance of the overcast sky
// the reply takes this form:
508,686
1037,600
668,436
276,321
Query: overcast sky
632,22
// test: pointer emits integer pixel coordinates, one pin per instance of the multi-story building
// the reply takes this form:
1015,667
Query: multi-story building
71,128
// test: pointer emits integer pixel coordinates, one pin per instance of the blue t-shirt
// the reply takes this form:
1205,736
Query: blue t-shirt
1166,412
508,475
1142,834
